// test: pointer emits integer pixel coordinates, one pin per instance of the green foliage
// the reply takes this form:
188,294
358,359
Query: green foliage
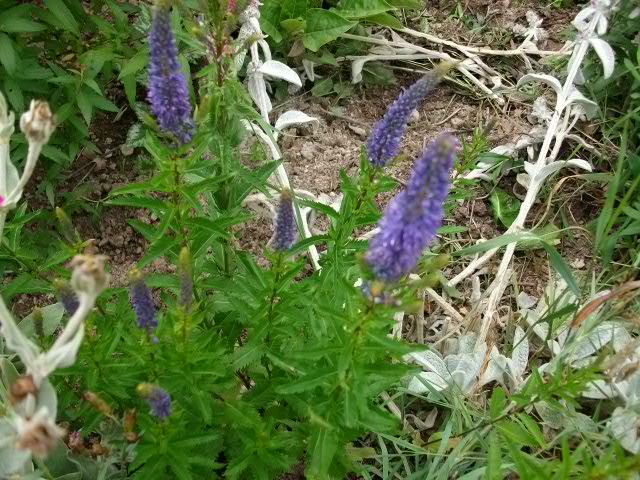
68,55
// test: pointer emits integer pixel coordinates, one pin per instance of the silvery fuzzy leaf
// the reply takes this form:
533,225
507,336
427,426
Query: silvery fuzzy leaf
461,380
275,69
266,51
418,384
580,423
550,417
579,79
294,117
7,431
552,168
575,97
12,180
429,360
520,355
603,334
16,340
309,69
357,66
524,179
601,390
258,91
526,301
13,461
47,397
624,427
606,55
496,368
553,82
581,19
635,13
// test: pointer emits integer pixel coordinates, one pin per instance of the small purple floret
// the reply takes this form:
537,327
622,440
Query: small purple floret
159,403
284,224
167,88
411,219
384,142
142,302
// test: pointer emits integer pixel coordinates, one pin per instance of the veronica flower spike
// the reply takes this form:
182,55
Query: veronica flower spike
384,142
284,223
167,90
142,301
411,219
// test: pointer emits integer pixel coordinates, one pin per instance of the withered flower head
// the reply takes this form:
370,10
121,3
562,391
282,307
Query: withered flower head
39,434
38,123
21,388
98,403
88,274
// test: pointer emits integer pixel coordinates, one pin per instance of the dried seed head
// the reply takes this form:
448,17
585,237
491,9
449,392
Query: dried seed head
21,389
98,403
38,123
75,442
88,274
39,434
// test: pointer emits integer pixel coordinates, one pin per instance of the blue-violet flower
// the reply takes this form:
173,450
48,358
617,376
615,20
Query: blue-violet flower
158,399
284,223
142,301
411,219
384,142
67,296
167,89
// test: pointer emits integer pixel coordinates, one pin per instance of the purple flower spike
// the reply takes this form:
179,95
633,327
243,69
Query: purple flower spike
142,301
167,89
159,403
284,224
384,142
411,219
67,296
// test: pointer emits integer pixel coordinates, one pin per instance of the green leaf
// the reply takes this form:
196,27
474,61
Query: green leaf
85,106
505,207
14,24
7,54
497,403
560,266
323,26
494,457
322,88
362,8
516,433
158,248
322,448
307,382
533,428
135,64
64,15
503,240
385,19
13,92
51,318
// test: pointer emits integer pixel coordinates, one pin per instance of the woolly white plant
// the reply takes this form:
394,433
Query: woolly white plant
571,105
259,70
29,429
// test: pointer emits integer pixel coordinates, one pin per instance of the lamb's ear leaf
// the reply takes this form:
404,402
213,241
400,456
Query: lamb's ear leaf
606,55
520,355
276,69
553,82
294,117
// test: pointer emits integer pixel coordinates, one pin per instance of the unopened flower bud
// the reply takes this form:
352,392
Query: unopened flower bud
129,424
38,123
21,389
88,274
38,322
66,226
98,403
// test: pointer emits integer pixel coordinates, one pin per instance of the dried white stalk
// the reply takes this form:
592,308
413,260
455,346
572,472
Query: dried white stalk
29,428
